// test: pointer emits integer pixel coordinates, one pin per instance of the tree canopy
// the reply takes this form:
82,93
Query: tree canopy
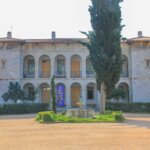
14,92
104,45
104,42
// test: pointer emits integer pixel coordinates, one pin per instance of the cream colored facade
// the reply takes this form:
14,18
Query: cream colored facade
32,63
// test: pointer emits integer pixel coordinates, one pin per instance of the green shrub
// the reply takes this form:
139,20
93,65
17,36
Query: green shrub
22,108
118,115
50,116
45,116
129,107
63,113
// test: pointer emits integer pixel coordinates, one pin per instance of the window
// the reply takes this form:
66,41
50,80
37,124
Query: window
45,61
60,66
3,63
30,66
147,63
31,91
89,66
90,93
9,46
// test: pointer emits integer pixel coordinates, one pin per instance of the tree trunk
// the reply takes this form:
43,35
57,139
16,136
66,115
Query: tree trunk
103,98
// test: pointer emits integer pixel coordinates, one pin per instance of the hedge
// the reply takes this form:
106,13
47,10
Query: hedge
129,107
23,108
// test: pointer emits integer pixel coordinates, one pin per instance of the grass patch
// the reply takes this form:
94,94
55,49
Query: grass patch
51,117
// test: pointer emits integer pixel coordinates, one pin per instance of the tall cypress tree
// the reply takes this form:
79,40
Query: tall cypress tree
104,45
53,92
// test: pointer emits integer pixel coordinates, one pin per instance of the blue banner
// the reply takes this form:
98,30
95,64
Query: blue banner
60,95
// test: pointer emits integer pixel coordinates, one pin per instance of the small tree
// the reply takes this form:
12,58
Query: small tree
14,92
5,97
53,92
117,94
32,96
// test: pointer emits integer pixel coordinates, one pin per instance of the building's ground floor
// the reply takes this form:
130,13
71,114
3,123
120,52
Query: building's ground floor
69,92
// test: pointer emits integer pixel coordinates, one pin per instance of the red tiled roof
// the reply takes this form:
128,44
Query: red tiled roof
5,39
138,39
57,40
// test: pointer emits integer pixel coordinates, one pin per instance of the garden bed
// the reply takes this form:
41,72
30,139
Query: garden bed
51,117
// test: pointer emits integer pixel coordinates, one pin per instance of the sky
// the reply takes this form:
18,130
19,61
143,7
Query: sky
38,18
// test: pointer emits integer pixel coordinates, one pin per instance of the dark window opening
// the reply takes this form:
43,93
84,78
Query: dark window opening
90,93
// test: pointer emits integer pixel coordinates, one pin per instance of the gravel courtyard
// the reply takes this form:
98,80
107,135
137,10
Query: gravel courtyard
22,132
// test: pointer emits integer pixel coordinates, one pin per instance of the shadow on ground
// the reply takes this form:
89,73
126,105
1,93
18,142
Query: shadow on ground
21,116
139,120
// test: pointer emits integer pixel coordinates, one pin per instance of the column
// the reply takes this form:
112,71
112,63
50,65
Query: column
36,86
68,97
36,67
52,66
83,68
83,90
68,68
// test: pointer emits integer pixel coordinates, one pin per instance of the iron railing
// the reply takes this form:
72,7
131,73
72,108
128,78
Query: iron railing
60,74
28,74
124,74
76,74
44,74
90,74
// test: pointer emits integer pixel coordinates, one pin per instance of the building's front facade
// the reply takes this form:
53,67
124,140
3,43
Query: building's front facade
33,62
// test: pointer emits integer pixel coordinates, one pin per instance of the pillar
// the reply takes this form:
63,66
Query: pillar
36,67
83,68
68,97
52,66
83,90
68,67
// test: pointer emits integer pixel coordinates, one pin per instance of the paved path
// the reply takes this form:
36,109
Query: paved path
26,134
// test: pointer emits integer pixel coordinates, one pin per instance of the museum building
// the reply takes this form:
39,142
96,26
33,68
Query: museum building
33,62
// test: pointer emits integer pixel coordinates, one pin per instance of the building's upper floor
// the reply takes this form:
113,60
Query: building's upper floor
66,58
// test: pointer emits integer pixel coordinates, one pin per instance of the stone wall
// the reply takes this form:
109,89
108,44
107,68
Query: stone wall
138,79
140,74
9,65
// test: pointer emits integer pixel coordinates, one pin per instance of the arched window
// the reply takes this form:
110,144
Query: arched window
45,93
89,68
124,69
60,63
29,90
90,91
60,94
75,94
44,66
125,88
91,95
75,66
29,67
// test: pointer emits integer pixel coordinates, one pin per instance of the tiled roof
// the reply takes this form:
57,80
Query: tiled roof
5,39
138,39
57,40
66,40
